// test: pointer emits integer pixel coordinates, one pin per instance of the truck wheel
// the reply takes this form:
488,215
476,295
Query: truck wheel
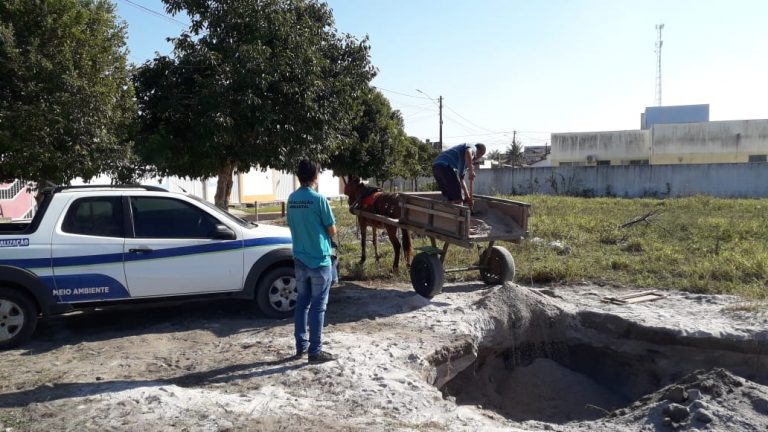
18,318
497,266
276,293
427,274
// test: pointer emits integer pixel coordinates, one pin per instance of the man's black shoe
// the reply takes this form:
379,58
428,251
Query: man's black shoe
299,354
322,357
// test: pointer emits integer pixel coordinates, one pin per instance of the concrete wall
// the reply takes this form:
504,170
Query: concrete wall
712,142
722,180
589,147
685,143
257,185
674,114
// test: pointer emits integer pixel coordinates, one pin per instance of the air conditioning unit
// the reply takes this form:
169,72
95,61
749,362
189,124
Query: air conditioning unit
591,158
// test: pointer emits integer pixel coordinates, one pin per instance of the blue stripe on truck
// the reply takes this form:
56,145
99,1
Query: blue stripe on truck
84,260
85,287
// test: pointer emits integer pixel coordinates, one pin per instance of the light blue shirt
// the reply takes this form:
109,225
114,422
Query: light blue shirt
309,217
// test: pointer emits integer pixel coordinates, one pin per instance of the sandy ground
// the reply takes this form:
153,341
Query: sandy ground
218,366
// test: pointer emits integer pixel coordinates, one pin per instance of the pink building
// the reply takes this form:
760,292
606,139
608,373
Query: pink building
15,201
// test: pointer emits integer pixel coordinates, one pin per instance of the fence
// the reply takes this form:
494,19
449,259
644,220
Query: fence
9,192
744,180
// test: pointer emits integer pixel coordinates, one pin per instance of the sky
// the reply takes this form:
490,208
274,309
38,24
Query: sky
528,68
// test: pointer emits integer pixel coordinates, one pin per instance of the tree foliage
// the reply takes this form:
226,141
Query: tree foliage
65,95
417,160
250,83
376,144
496,156
514,154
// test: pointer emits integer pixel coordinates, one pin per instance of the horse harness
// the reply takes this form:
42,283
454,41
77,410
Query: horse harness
367,198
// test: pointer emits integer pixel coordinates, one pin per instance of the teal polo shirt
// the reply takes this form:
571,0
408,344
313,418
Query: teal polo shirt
309,217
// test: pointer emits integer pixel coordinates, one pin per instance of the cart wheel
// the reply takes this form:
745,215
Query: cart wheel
427,274
498,266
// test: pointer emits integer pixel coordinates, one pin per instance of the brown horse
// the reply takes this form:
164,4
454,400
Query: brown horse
375,201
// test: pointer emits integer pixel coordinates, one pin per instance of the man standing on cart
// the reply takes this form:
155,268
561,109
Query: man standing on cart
451,166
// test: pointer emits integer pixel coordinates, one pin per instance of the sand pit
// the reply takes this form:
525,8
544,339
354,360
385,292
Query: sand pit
505,358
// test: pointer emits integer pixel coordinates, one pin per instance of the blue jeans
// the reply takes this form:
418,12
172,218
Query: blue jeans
313,286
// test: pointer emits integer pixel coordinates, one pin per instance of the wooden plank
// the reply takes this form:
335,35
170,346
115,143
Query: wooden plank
435,212
379,218
502,200
514,238
409,225
437,215
637,297
439,236
649,297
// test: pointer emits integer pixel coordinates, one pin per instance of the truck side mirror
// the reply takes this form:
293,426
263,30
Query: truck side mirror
223,232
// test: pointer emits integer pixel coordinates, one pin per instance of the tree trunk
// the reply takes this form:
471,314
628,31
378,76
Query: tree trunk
39,186
223,186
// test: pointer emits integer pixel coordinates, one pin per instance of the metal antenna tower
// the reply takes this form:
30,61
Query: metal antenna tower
659,43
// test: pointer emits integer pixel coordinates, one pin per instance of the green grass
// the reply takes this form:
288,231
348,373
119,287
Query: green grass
14,420
698,244
264,209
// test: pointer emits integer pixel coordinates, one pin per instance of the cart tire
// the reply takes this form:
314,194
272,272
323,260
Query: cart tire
498,266
427,274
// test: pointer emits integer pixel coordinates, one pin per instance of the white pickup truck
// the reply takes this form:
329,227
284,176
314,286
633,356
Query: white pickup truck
99,245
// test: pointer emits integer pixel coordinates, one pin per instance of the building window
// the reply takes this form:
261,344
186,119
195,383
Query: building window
638,162
757,158
603,162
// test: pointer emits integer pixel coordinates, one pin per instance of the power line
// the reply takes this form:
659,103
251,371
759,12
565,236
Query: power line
460,124
401,94
480,135
469,121
422,106
157,14
418,117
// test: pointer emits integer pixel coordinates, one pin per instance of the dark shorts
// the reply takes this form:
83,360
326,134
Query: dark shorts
448,182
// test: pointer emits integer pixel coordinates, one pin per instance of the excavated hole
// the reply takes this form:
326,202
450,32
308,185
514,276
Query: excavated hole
552,382
583,372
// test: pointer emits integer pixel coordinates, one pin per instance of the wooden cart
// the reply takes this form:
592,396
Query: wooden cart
491,219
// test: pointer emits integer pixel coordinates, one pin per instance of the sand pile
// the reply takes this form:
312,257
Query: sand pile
713,400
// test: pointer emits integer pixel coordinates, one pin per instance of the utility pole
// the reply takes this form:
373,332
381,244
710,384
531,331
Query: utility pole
659,43
439,104
440,99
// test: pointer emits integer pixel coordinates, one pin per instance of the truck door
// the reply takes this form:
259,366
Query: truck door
173,251
87,251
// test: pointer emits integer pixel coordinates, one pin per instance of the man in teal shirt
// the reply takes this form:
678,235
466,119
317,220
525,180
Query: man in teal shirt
312,226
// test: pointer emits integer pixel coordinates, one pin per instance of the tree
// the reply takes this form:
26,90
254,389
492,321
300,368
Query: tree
66,99
514,154
417,160
251,83
495,155
377,143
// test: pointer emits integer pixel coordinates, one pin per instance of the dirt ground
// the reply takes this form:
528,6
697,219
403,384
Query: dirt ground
220,366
